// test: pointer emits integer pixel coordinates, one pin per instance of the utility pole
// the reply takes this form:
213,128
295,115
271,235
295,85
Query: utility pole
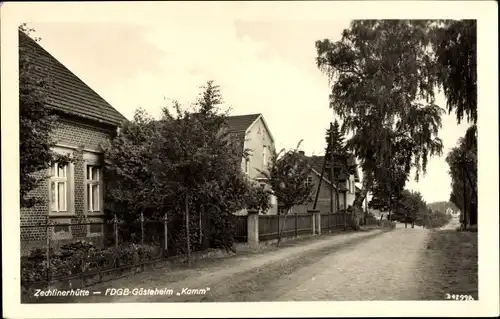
321,177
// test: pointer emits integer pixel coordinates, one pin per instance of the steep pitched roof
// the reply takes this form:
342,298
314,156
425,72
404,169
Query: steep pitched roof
70,94
317,163
239,124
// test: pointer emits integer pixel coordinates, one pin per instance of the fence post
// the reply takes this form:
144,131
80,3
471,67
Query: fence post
142,228
279,220
318,223
296,225
330,222
165,227
345,219
253,229
115,222
313,213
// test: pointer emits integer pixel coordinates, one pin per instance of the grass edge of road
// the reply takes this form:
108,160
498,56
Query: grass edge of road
451,260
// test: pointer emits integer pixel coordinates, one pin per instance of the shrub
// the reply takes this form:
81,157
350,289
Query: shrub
81,257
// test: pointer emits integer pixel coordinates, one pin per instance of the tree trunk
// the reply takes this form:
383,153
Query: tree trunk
357,207
187,230
206,228
406,225
412,225
280,234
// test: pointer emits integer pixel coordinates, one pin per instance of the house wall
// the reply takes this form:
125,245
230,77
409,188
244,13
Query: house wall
69,135
351,195
256,139
323,204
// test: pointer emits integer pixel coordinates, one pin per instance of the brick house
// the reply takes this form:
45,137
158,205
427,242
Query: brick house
252,131
85,120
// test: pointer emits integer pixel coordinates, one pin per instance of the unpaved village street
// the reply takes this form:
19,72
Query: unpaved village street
371,265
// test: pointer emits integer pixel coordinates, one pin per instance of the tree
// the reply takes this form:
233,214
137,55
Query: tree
335,136
410,208
462,162
36,121
185,164
455,47
127,173
436,219
287,175
382,88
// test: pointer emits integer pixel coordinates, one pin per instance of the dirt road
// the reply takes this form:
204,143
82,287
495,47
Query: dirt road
373,265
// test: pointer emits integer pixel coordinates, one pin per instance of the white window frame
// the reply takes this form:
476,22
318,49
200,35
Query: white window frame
61,235
92,183
70,196
57,180
264,156
89,209
95,220
274,200
309,180
247,165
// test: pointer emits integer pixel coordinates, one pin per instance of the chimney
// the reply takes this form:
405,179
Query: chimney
302,153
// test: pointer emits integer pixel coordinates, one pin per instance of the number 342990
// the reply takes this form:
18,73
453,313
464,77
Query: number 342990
458,297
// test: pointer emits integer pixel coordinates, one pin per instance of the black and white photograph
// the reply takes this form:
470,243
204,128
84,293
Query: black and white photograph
210,155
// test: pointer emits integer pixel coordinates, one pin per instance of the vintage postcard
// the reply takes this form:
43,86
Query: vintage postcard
188,159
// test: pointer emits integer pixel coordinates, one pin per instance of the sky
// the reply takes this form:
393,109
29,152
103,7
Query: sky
262,66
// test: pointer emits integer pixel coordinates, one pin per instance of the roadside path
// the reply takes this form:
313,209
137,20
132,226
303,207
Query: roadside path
370,265
227,274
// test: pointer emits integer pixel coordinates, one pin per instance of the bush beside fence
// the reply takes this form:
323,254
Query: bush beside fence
78,249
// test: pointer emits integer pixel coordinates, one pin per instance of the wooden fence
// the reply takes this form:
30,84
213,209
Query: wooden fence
270,226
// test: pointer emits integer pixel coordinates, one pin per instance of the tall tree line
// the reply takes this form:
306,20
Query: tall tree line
383,75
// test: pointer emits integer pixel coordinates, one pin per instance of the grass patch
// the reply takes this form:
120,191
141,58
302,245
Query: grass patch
452,265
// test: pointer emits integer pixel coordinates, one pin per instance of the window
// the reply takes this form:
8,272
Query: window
247,165
93,189
309,180
273,200
59,192
264,156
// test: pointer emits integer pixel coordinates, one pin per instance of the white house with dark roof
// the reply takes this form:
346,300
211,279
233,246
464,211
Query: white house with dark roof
85,120
253,133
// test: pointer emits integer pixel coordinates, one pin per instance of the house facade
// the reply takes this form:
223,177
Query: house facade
345,193
253,133
73,192
325,188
